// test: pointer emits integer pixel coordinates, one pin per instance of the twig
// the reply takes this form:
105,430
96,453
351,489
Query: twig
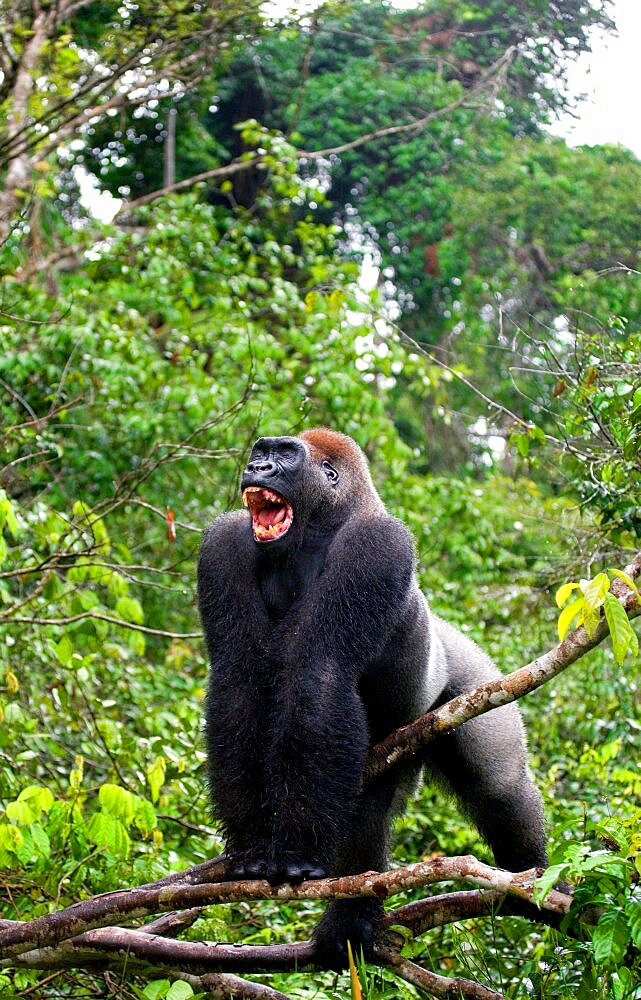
35,620
438,986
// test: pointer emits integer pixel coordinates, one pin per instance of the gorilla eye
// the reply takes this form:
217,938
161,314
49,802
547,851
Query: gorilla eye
331,473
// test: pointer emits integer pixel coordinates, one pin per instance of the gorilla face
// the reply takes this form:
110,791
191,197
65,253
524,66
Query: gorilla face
283,486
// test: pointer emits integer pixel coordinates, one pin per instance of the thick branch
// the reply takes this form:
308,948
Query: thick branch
413,737
451,907
111,907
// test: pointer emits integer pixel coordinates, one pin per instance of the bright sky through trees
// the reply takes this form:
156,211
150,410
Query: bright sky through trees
610,76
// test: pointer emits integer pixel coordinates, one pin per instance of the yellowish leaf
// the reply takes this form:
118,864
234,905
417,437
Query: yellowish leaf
567,615
594,591
564,592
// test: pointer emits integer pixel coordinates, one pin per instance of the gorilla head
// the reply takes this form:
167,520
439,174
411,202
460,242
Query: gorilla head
314,481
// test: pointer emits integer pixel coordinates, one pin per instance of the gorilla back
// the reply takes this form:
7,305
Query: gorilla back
321,644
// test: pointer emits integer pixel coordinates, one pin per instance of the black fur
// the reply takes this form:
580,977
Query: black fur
321,644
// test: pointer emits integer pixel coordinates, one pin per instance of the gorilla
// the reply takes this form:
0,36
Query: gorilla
321,644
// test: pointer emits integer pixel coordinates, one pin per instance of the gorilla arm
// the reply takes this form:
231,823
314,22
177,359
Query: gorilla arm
235,624
319,737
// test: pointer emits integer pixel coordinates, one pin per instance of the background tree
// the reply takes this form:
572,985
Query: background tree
66,65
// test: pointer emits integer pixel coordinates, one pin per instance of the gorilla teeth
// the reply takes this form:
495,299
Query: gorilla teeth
271,514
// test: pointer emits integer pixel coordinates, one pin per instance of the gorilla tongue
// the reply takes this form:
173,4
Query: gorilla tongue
271,514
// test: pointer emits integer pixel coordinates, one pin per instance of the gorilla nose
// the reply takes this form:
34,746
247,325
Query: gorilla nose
262,467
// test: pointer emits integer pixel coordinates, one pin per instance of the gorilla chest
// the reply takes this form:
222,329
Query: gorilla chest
283,584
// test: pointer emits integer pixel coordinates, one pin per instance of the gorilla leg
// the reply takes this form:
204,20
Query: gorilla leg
314,760
365,850
484,763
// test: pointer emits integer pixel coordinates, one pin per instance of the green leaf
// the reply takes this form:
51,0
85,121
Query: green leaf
145,815
38,797
156,777
88,600
179,990
20,812
622,983
117,802
610,938
107,831
568,615
546,882
156,990
41,840
522,444
633,913
130,610
63,650
7,514
11,838
77,773
623,635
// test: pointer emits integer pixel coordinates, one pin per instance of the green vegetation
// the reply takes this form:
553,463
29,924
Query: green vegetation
493,377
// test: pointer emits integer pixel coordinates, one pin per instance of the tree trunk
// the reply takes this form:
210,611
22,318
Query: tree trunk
17,178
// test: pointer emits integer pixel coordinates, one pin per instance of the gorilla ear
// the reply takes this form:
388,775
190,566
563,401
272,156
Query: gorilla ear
331,473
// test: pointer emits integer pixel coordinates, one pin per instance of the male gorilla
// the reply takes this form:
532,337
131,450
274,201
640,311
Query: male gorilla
321,644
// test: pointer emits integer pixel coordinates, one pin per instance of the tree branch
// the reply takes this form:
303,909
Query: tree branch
438,986
70,619
409,739
228,987
106,909
250,163
204,965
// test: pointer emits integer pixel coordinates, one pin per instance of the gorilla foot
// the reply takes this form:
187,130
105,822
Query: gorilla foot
277,870
293,870
346,920
246,866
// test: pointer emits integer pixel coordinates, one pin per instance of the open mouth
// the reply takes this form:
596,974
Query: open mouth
271,515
